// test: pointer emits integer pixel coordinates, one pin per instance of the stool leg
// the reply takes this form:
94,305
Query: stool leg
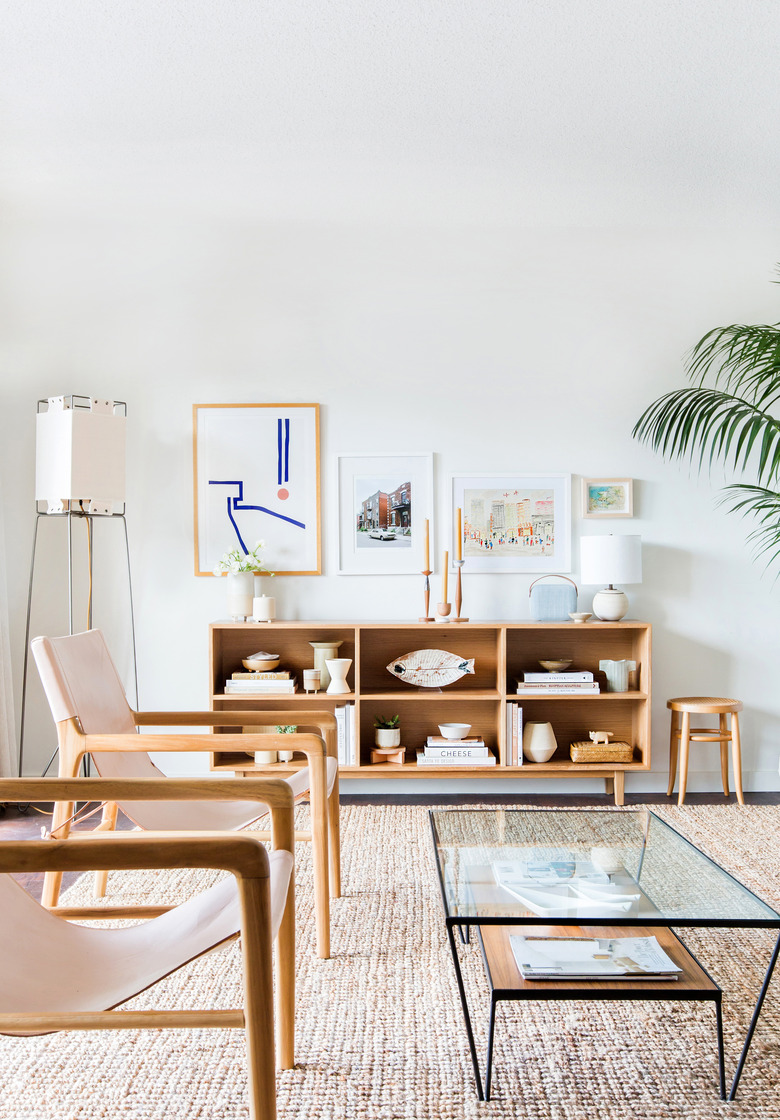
672,753
685,741
724,752
736,757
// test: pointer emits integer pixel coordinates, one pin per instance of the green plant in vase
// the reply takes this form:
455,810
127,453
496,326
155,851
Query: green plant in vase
387,732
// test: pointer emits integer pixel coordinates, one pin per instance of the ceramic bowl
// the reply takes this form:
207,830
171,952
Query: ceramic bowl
454,730
261,664
580,616
556,666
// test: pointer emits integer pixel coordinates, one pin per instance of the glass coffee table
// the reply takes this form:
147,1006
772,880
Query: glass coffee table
591,874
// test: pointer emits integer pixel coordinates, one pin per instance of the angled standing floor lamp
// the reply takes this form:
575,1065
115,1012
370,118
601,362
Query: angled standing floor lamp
79,472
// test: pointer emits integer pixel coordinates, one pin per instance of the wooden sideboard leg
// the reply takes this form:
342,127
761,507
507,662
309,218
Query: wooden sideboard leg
609,786
620,787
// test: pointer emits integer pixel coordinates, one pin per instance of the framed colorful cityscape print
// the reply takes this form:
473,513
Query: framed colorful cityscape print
513,523
607,497
385,524
257,477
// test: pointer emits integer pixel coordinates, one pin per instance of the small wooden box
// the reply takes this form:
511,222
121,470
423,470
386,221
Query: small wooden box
587,751
394,754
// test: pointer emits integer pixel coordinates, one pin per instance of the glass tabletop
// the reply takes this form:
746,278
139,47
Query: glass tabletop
580,866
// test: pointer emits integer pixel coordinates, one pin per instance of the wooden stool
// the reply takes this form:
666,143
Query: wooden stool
681,732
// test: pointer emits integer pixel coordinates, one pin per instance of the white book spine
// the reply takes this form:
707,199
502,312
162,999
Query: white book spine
351,734
573,675
341,729
519,734
456,752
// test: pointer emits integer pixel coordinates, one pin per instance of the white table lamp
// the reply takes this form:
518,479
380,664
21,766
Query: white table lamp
611,560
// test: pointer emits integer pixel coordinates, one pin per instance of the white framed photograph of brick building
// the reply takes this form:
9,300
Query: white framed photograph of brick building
385,514
512,523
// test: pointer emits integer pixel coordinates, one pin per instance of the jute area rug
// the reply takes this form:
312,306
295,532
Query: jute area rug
380,1031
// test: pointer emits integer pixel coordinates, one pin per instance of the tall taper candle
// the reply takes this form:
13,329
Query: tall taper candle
459,550
444,577
427,564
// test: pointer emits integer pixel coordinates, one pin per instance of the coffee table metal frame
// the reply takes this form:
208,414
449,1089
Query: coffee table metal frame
576,990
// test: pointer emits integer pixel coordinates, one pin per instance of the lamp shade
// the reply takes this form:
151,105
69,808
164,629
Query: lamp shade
80,453
610,559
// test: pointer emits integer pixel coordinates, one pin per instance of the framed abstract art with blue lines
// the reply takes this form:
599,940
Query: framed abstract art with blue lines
257,478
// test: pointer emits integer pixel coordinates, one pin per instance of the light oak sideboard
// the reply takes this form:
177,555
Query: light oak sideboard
502,651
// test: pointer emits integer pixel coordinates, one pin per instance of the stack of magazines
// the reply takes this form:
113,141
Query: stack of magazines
592,958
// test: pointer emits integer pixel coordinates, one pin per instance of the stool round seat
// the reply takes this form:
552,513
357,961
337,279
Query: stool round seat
682,735
704,704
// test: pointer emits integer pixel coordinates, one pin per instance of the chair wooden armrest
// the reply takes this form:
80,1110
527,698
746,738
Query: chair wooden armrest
273,792
325,722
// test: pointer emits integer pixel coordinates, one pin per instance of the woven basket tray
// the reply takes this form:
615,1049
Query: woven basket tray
588,751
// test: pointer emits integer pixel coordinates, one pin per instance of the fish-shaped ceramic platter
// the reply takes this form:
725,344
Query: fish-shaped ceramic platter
430,668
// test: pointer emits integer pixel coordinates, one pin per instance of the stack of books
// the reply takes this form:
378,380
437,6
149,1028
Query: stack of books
439,751
571,682
276,681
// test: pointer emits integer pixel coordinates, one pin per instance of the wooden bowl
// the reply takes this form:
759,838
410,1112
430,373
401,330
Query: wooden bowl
557,666
261,664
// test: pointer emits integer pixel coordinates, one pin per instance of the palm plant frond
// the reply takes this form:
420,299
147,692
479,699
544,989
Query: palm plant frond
730,413
714,424
763,504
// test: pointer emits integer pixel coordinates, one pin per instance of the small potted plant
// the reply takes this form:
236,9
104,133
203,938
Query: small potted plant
387,731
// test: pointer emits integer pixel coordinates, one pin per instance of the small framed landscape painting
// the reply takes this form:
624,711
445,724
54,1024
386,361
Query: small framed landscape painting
513,523
385,513
607,497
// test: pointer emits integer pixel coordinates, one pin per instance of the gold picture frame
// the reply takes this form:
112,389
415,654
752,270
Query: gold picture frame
256,474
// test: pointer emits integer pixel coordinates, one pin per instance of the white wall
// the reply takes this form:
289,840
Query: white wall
481,229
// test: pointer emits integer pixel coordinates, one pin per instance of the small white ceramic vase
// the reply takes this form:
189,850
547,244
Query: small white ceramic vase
322,652
539,742
387,737
338,667
263,758
240,591
617,674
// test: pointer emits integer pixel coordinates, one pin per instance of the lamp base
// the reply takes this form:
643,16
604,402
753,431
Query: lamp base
610,605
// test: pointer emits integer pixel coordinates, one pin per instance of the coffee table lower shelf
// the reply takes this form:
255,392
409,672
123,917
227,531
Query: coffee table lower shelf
507,984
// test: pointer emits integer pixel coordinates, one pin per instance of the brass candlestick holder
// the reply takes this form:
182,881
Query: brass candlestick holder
459,592
427,597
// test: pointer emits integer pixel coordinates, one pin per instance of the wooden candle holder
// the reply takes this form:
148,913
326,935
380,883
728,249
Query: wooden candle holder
459,592
427,597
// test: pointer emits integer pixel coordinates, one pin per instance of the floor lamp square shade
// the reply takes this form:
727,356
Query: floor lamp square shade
610,560
80,457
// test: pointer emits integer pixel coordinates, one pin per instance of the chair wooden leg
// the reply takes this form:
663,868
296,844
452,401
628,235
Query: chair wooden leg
724,752
673,740
258,997
736,757
107,824
334,841
319,844
60,826
285,984
685,742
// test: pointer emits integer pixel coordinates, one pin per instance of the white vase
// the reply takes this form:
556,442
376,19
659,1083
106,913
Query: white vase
323,651
387,737
539,742
338,667
617,674
240,590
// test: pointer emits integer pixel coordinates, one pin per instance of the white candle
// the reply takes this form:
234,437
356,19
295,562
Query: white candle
263,608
